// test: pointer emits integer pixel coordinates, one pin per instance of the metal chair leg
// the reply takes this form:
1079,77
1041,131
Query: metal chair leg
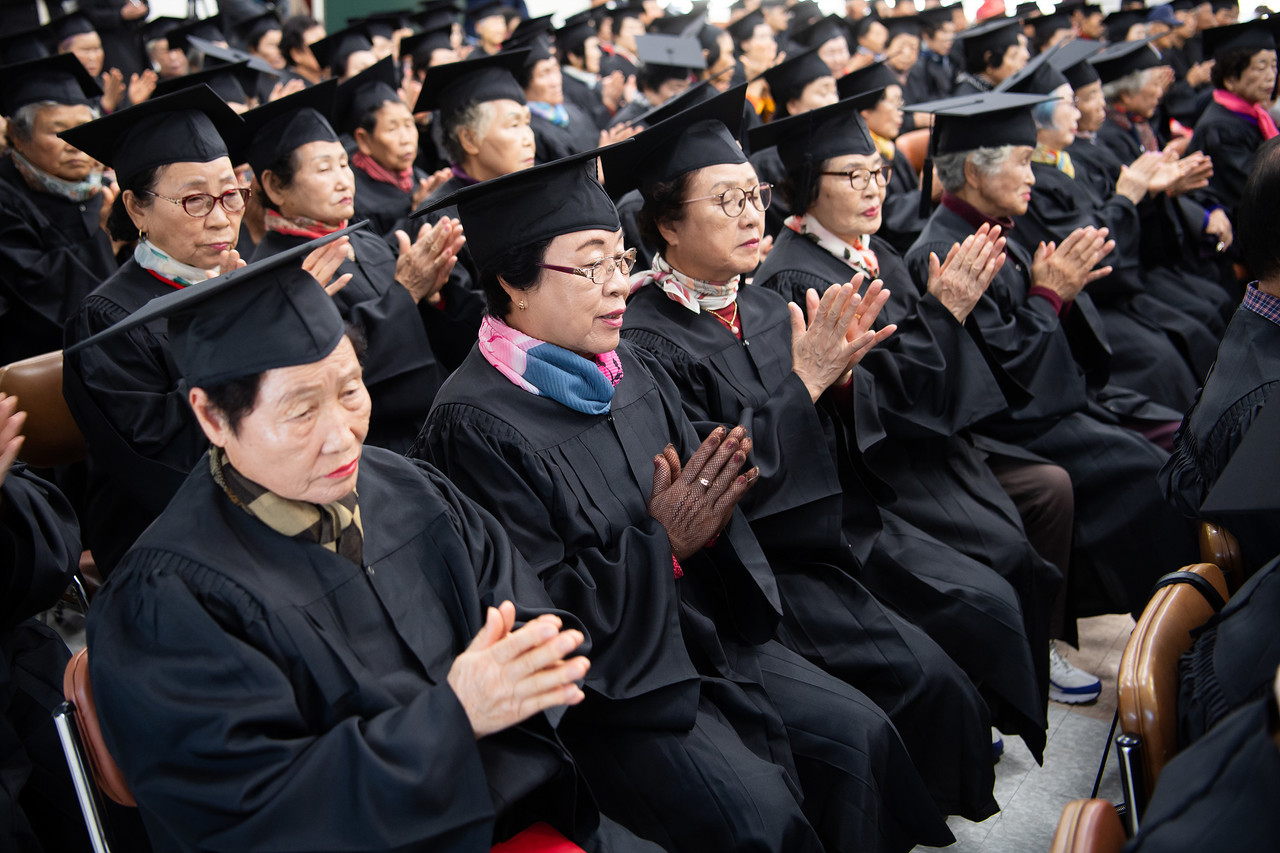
81,777
1132,781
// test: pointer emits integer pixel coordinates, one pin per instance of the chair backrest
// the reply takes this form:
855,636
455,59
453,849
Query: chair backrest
78,691
1088,826
1219,547
52,436
1148,678
915,144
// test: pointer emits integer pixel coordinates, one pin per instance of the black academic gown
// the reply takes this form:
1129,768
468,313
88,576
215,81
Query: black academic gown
1219,794
411,348
1243,379
930,79
263,692
1153,345
1218,675
52,253
553,142
1182,101
121,39
900,219
685,683
914,398
39,551
1231,141
387,207
128,399
586,98
1054,370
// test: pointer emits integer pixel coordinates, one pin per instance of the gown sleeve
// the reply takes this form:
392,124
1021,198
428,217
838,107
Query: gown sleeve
39,546
228,761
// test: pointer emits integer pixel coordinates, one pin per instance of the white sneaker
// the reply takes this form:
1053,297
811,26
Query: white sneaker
1070,684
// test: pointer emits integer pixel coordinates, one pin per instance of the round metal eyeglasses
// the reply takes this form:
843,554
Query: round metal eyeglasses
734,200
602,270
201,204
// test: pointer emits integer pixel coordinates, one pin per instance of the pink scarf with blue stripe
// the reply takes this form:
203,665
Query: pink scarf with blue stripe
584,385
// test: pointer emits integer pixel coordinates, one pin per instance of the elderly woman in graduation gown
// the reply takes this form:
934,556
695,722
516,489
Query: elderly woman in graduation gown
735,355
553,425
560,128
417,325
1043,339
309,614
387,185
181,201
54,247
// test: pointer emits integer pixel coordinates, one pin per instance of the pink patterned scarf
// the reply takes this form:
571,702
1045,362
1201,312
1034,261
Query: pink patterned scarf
584,385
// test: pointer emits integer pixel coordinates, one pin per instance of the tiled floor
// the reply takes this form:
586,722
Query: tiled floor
1032,797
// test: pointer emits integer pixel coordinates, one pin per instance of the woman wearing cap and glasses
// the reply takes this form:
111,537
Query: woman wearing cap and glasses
553,425
737,354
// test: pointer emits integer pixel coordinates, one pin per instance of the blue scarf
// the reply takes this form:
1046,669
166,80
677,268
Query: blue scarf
584,385
554,113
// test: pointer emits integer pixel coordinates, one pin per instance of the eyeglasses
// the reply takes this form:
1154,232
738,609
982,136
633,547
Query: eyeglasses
734,200
201,204
860,178
602,270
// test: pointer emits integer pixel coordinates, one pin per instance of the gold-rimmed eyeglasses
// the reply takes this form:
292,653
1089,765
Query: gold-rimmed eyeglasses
734,200
602,270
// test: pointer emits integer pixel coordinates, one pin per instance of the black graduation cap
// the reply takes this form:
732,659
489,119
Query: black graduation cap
190,126
743,28
821,31
381,24
1123,59
23,46
1248,483
902,25
1255,35
877,76
488,8
65,26
677,53
687,25
531,28
231,82
994,37
366,91
623,11
967,122
1026,11
280,127
571,37
1037,77
435,16
216,53
1182,5
704,135
334,50
1119,23
209,29
450,88
1072,59
532,205
251,30
805,141
268,314
787,79
803,14
1046,25
61,79
420,47
932,20
158,28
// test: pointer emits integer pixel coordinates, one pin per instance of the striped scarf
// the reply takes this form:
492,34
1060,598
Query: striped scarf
857,255
1061,160
584,385
301,226
693,293
333,526
554,113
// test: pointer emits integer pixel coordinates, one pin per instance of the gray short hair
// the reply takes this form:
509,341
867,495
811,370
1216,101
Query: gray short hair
477,116
22,124
951,166
1129,84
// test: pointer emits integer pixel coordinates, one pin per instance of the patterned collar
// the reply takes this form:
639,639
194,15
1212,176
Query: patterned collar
1262,303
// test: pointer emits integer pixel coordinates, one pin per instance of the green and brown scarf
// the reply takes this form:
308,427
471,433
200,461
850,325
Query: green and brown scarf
334,526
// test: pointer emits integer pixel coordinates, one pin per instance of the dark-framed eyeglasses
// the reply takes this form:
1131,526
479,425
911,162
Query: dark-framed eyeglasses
734,200
602,270
201,204
860,178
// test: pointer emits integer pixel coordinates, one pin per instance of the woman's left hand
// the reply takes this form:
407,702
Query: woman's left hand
323,262
141,86
860,334
230,261
424,265
429,184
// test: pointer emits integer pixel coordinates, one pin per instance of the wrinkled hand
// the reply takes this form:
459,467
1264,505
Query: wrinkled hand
1066,269
1200,73
141,86
693,513
113,89
284,90
959,281
618,132
323,262
429,184
821,353
424,265
1135,179
505,677
11,437
872,302
1194,172
108,193
1220,226
228,261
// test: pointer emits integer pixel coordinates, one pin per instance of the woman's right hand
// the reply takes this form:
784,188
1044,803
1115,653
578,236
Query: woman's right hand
959,281
424,265
113,89
822,352
695,502
323,262
1066,269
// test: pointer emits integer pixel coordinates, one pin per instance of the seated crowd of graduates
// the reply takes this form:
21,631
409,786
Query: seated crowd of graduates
608,427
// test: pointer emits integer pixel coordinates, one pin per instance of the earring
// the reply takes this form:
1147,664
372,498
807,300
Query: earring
521,305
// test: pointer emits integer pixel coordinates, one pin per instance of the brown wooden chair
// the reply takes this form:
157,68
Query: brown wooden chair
52,436
1219,547
1147,684
1088,826
915,144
